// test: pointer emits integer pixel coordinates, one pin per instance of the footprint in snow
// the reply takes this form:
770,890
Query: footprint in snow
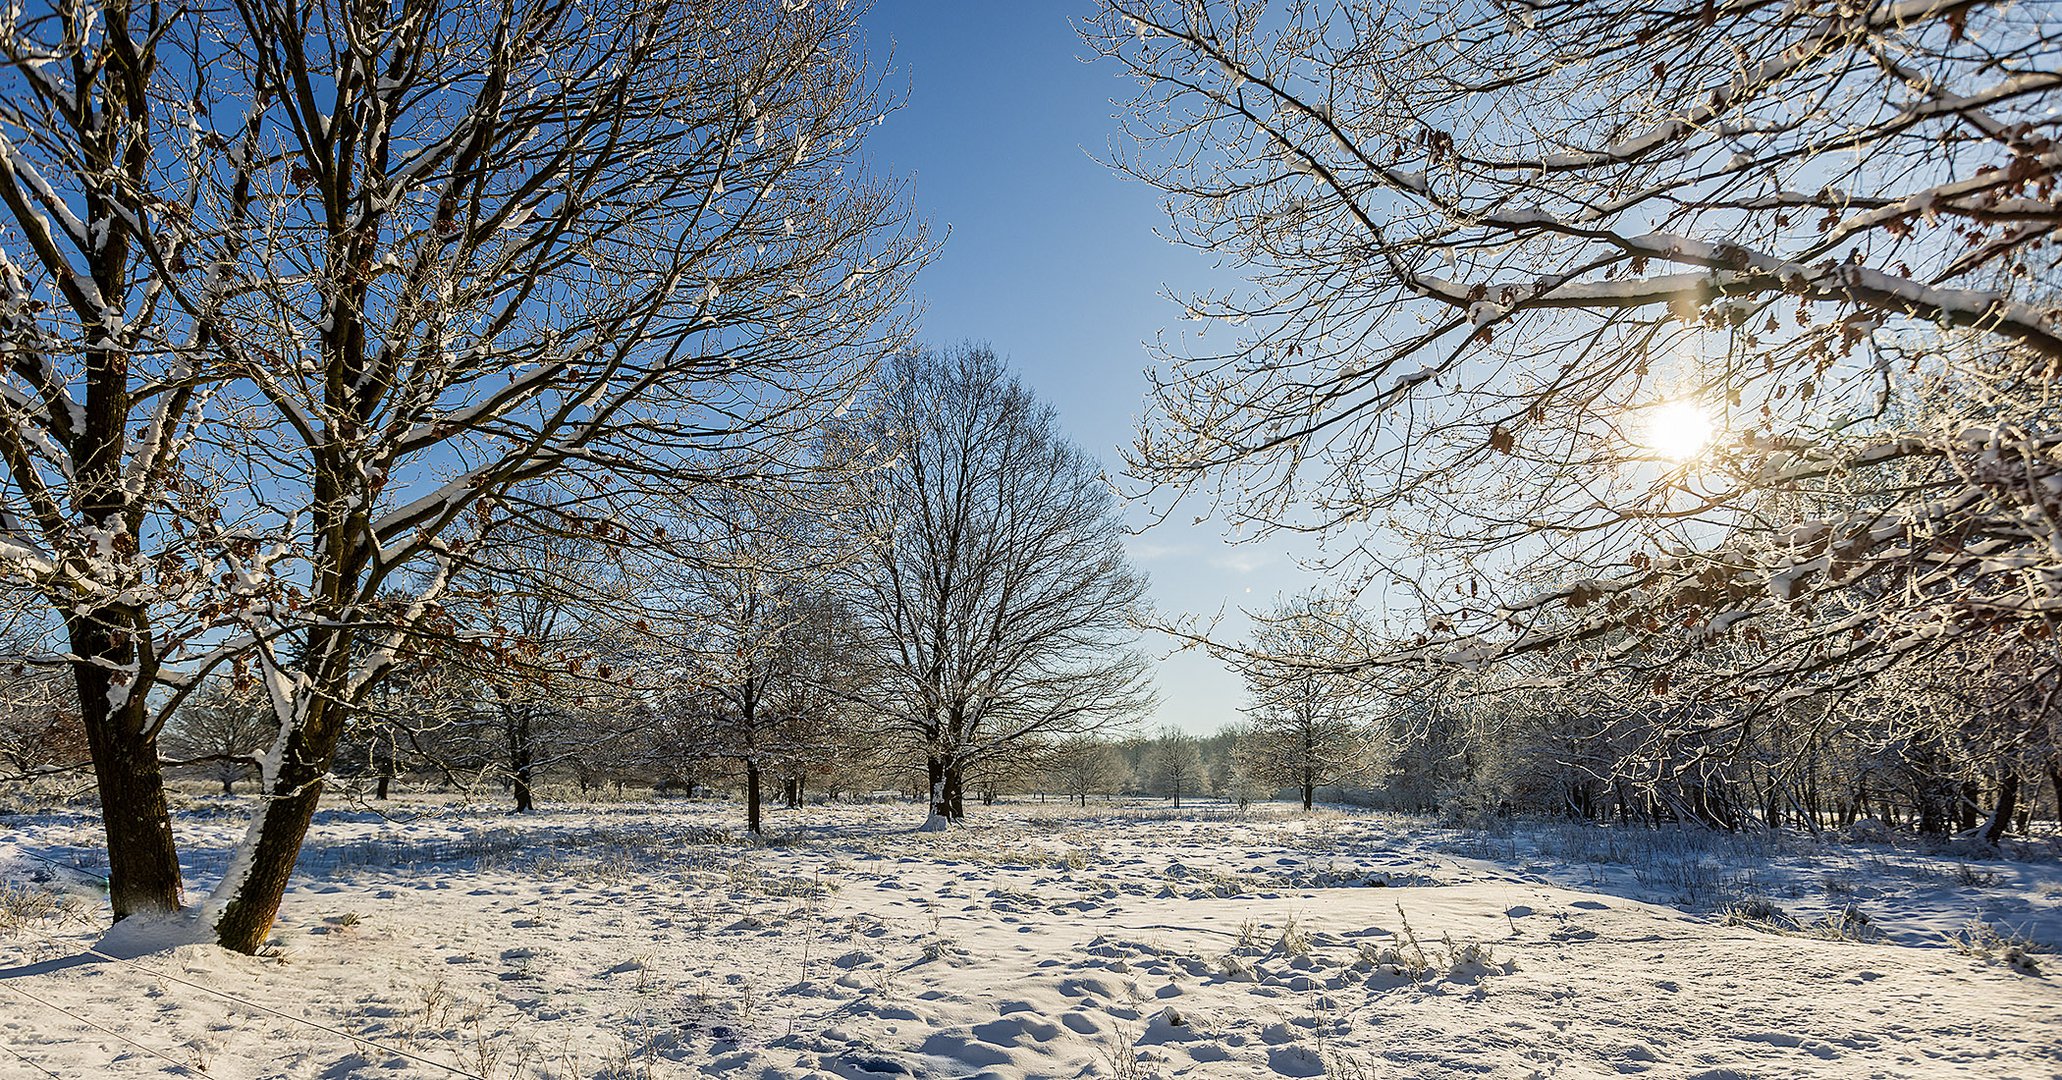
1168,1025
1087,987
968,1051
1016,1031
867,1068
1295,1061
1277,1034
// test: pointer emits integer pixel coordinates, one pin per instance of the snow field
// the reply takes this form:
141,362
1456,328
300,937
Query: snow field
649,940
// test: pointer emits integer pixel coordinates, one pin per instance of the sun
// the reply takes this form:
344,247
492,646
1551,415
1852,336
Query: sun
1677,430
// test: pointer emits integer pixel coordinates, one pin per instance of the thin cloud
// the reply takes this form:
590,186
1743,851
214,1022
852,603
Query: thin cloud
1149,550
1241,562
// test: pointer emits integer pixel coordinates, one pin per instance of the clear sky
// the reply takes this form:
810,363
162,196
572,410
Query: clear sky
1054,261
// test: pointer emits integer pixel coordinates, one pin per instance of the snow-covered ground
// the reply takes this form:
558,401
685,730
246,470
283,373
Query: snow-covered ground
639,940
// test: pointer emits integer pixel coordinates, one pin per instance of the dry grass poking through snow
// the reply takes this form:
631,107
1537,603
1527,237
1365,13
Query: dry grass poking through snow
650,940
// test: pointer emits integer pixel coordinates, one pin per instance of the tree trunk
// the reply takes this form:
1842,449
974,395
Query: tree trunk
1970,804
934,773
142,857
1936,812
249,905
955,789
2001,814
522,756
386,771
752,796
1309,788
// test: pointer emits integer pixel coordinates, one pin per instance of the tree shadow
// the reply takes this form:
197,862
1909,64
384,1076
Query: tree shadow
129,939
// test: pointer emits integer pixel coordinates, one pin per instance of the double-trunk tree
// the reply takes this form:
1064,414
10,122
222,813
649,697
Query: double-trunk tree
510,239
418,253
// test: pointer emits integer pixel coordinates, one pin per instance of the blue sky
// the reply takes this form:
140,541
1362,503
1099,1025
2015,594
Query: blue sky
1053,260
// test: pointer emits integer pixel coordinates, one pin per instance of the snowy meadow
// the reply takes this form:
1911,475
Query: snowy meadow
1625,434
654,939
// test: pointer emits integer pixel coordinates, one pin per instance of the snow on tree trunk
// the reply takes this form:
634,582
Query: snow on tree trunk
940,816
246,901
102,370
411,283
955,790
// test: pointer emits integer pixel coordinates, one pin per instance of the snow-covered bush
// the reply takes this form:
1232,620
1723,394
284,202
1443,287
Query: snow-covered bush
1408,957
1987,942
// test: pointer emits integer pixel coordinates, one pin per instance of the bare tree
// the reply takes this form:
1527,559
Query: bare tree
40,732
1720,335
545,237
1237,766
817,692
1309,718
991,581
1084,765
753,615
221,731
536,613
1174,765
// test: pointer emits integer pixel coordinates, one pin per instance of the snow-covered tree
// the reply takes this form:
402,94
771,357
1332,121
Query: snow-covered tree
110,319
292,292
991,578
1721,337
512,242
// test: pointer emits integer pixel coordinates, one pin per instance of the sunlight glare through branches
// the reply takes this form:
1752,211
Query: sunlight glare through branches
1677,430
